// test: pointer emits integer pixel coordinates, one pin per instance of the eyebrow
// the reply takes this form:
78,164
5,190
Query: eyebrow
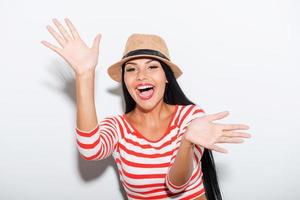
135,63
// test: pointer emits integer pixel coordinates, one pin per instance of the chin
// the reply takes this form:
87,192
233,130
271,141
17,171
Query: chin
148,105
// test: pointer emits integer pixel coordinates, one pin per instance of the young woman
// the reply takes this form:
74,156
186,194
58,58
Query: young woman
162,143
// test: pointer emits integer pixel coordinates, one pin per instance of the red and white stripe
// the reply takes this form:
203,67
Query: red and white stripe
143,165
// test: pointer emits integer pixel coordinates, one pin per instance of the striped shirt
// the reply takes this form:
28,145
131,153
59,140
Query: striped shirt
143,165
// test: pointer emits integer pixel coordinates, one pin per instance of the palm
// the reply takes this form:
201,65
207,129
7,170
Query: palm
80,57
204,132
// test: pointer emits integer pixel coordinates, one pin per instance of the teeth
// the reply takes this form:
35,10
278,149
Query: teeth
144,87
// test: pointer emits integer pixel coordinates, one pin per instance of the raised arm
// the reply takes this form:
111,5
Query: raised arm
95,140
85,102
99,142
83,60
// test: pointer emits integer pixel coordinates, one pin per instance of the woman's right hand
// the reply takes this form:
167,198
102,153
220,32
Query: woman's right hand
80,57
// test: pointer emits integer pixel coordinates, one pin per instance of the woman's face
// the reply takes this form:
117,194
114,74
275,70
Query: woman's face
143,73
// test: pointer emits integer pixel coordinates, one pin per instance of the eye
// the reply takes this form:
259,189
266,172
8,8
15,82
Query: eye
153,67
129,69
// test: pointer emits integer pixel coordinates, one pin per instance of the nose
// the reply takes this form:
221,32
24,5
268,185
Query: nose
141,75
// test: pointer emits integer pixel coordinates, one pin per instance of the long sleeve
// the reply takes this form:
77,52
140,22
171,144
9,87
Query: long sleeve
191,112
99,142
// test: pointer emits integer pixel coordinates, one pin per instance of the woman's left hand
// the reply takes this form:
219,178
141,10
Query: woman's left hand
202,131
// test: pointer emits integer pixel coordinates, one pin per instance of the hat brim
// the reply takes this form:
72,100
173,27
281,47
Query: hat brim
114,70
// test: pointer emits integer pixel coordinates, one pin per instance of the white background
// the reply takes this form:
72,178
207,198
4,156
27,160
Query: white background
240,56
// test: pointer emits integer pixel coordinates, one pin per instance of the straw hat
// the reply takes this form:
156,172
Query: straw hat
143,45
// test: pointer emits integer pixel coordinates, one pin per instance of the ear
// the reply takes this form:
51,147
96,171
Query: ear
167,81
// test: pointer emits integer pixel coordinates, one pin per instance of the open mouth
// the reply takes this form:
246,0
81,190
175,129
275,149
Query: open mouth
146,93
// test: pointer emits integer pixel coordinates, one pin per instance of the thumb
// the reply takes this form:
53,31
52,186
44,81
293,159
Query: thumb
219,115
96,42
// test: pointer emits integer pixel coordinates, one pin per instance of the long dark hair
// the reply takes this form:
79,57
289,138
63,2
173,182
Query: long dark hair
174,95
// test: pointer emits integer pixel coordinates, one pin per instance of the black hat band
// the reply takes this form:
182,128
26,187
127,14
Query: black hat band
145,52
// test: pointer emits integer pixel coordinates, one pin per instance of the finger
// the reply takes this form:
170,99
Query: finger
219,115
58,38
230,140
51,46
72,29
219,149
236,134
62,30
235,127
96,42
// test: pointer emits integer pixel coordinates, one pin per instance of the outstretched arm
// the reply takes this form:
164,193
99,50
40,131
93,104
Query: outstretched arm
200,133
182,168
185,163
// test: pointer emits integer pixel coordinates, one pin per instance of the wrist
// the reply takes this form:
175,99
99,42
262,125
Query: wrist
185,141
86,74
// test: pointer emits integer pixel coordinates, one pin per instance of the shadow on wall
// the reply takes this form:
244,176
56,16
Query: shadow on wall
65,85
90,170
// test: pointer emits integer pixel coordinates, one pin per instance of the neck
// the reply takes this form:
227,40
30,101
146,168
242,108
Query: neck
152,117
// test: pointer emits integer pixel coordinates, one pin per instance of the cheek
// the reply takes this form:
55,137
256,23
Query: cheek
127,80
129,84
161,78
162,85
